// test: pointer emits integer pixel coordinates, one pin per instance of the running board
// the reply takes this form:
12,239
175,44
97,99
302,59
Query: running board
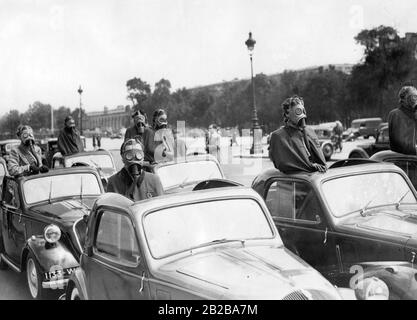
9,263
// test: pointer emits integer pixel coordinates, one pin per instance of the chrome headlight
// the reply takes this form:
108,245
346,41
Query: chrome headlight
372,289
52,233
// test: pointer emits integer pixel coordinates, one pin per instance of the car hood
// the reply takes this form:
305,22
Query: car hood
65,211
386,222
256,272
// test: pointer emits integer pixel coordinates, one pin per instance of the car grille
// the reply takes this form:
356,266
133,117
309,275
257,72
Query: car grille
296,295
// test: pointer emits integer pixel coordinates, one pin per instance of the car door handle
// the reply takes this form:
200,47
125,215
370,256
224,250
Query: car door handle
141,282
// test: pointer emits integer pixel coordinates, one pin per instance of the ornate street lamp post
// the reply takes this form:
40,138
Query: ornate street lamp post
256,130
80,112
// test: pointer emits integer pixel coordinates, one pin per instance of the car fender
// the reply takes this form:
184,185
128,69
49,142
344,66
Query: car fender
360,151
77,279
50,257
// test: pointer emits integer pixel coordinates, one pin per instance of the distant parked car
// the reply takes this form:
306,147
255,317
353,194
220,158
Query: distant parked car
199,245
350,215
6,146
324,132
366,127
42,226
116,136
367,150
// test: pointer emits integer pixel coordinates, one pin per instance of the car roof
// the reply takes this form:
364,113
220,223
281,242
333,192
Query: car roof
366,119
55,172
88,153
382,155
331,172
167,200
191,158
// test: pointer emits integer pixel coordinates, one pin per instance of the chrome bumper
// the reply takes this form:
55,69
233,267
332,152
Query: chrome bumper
55,284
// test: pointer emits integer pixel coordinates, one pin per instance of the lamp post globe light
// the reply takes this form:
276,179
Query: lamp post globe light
256,129
80,111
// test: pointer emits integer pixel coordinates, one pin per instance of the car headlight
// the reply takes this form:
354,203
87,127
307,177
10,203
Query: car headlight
52,233
372,289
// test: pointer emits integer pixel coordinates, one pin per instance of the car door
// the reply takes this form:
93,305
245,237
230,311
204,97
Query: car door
13,229
115,269
301,222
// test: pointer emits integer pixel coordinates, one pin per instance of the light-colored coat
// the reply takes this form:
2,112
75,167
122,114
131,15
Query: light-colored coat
18,162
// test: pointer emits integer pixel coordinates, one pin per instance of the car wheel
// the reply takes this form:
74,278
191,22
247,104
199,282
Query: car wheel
34,278
75,294
327,151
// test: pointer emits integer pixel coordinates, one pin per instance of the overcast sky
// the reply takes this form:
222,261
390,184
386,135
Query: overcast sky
48,48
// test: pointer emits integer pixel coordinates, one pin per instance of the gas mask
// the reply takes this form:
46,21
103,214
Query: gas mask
133,156
297,114
70,124
27,137
161,121
140,122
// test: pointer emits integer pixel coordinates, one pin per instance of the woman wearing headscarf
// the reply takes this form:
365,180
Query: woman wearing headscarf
69,139
402,122
26,159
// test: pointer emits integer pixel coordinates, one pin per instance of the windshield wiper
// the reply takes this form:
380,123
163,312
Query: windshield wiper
398,203
224,240
365,208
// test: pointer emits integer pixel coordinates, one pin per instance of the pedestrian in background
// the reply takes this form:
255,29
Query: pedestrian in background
69,140
214,141
98,141
94,141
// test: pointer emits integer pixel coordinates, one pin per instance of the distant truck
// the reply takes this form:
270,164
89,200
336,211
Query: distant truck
366,127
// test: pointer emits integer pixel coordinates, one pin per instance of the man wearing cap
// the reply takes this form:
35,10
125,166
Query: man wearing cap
139,124
26,159
295,147
69,140
402,122
132,181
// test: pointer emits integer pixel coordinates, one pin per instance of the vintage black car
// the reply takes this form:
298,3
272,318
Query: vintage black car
349,215
213,244
42,224
366,150
324,133
406,162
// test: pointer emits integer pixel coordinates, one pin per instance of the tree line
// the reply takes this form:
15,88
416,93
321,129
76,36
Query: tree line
370,90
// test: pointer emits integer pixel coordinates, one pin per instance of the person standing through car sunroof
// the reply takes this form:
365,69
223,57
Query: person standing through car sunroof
26,159
402,122
295,147
69,140
139,124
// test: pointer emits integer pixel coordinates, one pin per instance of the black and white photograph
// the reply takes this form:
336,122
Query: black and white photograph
208,150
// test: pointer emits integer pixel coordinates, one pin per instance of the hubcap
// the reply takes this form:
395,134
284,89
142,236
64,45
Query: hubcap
32,278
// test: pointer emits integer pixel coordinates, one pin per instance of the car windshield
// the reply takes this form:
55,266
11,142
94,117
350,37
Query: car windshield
63,185
188,172
186,227
95,160
351,194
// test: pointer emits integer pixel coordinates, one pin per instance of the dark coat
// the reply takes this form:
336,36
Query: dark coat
148,185
133,133
402,130
288,152
69,142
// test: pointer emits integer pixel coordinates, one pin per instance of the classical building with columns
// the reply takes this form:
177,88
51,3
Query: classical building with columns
109,119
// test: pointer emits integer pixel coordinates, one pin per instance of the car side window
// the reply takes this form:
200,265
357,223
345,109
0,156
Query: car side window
116,239
292,200
410,169
11,194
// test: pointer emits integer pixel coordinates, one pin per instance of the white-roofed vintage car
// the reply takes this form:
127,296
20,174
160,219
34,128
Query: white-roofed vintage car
349,216
42,225
213,244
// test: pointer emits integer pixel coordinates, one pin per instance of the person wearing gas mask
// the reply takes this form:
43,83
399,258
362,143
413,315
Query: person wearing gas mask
295,147
159,141
132,181
139,124
26,159
69,140
402,122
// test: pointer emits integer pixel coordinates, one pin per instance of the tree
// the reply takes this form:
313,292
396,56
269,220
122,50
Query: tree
138,92
38,115
59,116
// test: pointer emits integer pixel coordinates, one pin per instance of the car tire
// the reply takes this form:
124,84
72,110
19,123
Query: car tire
327,151
34,278
74,294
